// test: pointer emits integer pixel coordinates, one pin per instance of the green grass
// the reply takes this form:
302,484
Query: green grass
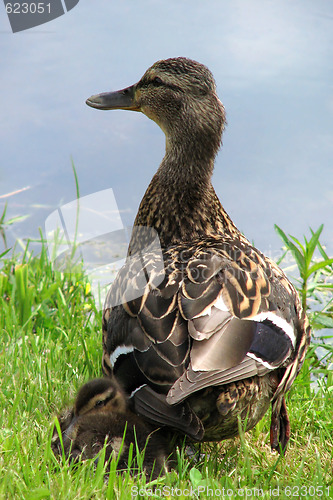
51,344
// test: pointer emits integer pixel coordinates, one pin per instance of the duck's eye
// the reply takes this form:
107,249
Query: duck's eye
156,81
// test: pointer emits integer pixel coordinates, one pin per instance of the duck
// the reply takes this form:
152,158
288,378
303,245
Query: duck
100,415
201,329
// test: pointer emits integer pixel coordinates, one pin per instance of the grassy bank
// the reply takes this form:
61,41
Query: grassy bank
51,344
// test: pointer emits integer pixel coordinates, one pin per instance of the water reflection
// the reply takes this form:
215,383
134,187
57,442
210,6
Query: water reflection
272,64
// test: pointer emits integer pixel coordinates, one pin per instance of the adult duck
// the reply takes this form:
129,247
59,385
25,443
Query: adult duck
217,331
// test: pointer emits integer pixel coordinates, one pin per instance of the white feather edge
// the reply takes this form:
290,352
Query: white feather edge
136,390
219,304
261,361
278,321
119,350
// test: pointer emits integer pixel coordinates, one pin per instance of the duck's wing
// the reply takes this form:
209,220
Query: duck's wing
211,315
251,326
154,407
145,337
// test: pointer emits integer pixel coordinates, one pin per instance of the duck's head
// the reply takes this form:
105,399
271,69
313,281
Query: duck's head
179,95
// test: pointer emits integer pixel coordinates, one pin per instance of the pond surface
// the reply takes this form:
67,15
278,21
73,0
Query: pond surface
272,61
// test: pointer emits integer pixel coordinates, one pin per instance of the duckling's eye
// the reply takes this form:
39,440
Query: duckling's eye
99,403
156,81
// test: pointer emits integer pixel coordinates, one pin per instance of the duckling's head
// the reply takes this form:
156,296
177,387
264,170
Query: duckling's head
97,398
180,96
100,416
101,394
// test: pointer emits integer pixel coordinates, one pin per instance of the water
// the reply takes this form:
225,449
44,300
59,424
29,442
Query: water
272,62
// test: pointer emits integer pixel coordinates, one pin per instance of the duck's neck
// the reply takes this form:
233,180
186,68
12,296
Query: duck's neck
180,202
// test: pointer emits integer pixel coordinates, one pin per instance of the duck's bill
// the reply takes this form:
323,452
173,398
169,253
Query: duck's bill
122,99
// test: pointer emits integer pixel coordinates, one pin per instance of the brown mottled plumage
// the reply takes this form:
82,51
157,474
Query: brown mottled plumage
100,415
217,331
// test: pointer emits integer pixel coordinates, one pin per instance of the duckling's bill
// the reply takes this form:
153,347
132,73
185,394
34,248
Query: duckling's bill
121,99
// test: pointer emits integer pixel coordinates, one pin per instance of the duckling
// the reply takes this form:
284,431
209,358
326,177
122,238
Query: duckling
100,414
218,331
